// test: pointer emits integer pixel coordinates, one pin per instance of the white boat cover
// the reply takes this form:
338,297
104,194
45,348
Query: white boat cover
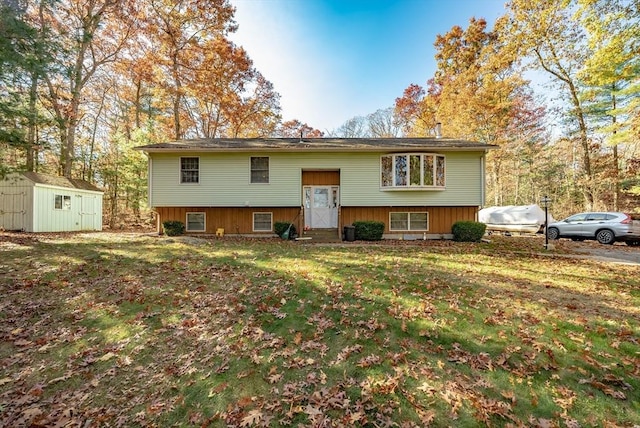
513,217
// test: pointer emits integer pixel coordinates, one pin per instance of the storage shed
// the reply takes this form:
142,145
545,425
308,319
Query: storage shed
34,202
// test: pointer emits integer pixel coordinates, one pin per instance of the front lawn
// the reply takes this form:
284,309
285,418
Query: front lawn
132,330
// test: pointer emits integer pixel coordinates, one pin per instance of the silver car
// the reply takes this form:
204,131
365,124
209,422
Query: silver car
605,227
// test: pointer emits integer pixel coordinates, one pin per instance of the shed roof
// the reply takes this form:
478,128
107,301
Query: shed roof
53,180
315,144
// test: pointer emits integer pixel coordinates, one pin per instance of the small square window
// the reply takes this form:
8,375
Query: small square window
262,222
418,221
189,170
62,202
259,170
196,222
399,221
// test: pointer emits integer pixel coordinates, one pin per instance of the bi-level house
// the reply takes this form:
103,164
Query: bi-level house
419,187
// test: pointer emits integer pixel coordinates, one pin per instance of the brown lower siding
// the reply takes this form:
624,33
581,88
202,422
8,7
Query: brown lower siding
239,221
440,218
234,221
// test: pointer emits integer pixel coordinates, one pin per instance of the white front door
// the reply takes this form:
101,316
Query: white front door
321,207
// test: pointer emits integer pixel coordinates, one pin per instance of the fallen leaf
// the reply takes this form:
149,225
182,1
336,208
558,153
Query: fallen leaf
253,417
107,356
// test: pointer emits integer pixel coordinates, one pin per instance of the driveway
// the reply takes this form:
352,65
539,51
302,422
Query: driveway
616,253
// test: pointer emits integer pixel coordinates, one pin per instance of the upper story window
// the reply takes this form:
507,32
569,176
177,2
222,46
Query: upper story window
412,171
189,170
259,169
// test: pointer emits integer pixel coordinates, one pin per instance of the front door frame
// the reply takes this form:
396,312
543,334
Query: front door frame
321,212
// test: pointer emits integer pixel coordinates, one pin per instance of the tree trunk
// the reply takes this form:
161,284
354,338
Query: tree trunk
616,161
587,187
31,132
137,102
176,101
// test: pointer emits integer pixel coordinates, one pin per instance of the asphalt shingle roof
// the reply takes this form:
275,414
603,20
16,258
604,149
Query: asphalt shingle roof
53,180
315,144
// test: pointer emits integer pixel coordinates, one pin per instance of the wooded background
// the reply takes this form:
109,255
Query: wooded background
82,82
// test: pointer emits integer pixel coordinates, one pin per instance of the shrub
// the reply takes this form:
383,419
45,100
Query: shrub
173,227
468,231
280,227
368,230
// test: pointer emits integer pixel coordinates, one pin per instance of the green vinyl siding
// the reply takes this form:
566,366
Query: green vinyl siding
225,180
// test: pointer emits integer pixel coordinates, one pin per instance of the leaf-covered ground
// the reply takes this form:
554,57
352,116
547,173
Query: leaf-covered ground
133,330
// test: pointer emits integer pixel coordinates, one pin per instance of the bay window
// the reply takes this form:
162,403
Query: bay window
412,171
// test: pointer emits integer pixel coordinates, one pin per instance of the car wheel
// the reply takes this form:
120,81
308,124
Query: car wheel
553,233
605,236
633,243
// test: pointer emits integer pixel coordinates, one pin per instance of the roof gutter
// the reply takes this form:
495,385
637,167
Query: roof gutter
483,148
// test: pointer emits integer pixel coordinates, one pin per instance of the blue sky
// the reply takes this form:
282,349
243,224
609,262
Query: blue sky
331,60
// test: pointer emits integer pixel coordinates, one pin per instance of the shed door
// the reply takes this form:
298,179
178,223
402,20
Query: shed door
87,212
13,210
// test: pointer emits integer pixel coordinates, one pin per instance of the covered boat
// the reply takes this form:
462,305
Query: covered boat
514,218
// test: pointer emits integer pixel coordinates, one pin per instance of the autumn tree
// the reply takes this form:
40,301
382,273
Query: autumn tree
415,111
223,71
546,32
90,35
610,76
176,35
477,94
296,129
254,112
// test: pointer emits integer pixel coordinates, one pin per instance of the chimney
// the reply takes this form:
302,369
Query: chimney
438,130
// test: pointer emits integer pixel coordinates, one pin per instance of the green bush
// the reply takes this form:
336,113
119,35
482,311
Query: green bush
280,227
368,230
468,231
173,227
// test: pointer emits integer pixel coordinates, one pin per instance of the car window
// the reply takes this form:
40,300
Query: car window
597,217
577,217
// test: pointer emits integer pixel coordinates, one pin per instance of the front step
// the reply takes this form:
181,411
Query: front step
321,235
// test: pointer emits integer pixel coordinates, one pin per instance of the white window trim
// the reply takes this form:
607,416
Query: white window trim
408,186
68,197
408,229
204,223
180,171
268,170
253,221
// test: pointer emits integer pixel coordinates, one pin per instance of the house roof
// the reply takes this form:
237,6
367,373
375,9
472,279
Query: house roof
52,180
315,144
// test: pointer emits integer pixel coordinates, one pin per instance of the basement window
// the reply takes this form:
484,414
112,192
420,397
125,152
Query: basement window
408,221
196,222
262,222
